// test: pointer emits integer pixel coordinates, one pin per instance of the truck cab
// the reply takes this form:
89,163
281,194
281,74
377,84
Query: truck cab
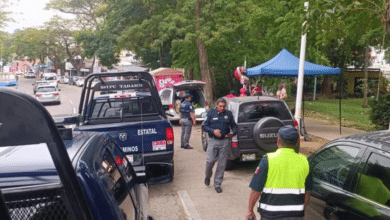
49,171
127,106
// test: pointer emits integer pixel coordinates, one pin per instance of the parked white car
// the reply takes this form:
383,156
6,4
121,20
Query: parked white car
80,81
172,97
64,79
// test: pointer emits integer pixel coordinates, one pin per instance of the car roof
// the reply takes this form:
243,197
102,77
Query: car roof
28,165
376,139
251,99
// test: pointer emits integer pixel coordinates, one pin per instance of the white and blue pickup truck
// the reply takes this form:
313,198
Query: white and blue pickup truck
128,107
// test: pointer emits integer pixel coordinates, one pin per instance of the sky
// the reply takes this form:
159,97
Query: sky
29,13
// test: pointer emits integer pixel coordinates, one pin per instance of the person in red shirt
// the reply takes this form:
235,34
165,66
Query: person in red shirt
256,90
231,94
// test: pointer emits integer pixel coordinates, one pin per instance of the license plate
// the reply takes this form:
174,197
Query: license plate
159,145
248,157
130,158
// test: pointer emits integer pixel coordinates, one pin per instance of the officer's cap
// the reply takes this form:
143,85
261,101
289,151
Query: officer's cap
288,134
188,95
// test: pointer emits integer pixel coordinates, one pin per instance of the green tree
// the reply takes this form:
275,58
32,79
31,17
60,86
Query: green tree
4,13
62,38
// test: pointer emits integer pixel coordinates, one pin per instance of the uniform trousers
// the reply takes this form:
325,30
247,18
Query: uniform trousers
186,127
217,150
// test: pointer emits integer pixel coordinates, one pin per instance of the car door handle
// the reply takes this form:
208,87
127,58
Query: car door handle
244,129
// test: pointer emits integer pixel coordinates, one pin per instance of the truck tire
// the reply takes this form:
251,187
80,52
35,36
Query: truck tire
204,140
265,133
229,164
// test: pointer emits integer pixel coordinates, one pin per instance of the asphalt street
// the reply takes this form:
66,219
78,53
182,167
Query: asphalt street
186,197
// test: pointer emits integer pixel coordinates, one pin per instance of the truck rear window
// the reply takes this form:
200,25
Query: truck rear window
112,107
253,111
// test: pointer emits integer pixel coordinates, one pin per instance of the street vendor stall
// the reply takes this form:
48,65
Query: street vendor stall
166,77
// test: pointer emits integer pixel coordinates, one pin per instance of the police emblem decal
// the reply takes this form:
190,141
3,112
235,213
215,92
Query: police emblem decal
122,136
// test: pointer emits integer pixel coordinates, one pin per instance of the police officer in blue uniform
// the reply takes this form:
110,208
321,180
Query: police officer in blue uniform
220,126
187,120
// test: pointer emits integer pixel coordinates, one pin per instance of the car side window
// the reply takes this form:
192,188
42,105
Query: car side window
374,181
117,184
334,164
165,97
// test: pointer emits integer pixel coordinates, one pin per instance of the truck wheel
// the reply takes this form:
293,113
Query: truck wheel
204,140
229,164
265,133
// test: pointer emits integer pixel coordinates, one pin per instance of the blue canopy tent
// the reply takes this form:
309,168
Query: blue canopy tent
285,64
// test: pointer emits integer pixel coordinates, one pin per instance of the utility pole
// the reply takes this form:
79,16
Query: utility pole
301,73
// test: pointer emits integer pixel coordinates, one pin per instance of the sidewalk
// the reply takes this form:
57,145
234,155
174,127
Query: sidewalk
328,132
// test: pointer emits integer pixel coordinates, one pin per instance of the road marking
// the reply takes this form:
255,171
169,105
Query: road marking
189,206
74,109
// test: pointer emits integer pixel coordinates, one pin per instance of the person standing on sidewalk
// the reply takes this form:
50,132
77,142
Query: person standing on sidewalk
187,120
220,126
283,180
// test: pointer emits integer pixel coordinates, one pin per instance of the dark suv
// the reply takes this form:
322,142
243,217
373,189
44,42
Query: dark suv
49,172
258,120
351,178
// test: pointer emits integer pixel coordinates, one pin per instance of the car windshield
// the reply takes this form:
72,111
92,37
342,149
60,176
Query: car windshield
50,78
134,106
253,111
46,89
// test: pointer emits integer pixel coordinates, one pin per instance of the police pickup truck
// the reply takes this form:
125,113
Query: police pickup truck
48,171
128,107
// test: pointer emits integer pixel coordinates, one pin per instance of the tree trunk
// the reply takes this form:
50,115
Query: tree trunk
326,86
93,63
203,60
365,81
161,57
190,72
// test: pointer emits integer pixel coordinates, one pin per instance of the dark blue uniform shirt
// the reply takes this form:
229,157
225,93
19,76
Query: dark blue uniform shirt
185,109
223,121
260,177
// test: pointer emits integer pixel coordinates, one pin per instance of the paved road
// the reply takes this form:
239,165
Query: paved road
187,192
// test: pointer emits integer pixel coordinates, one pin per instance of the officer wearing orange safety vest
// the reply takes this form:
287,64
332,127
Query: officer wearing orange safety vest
283,181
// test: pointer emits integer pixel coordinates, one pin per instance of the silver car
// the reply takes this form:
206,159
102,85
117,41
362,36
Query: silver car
48,94
64,79
80,81
172,97
38,84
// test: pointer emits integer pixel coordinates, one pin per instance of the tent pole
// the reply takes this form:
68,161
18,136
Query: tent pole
315,88
379,82
340,93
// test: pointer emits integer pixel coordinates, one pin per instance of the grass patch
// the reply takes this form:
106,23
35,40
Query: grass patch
353,115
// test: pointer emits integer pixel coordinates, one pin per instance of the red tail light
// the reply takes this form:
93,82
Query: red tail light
38,95
170,106
207,103
234,144
169,136
295,124
56,94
